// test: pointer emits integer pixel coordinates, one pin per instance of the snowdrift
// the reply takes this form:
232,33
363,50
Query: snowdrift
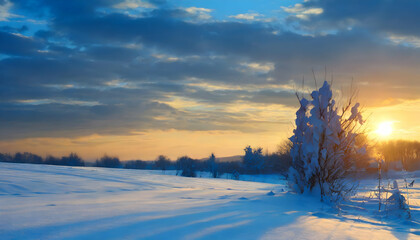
57,202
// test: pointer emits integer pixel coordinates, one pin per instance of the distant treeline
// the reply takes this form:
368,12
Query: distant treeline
253,162
71,160
407,153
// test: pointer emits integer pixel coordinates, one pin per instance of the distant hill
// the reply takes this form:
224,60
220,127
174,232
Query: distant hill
237,158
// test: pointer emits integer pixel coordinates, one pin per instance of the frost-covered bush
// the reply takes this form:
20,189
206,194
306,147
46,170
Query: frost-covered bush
323,145
397,203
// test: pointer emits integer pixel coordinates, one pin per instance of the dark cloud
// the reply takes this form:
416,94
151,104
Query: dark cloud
112,53
55,120
95,69
391,16
18,45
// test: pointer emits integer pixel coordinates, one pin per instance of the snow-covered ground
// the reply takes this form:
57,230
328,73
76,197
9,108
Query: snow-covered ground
57,202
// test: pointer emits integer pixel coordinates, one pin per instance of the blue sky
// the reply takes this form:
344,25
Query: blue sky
110,75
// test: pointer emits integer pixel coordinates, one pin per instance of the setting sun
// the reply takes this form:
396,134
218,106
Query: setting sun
384,129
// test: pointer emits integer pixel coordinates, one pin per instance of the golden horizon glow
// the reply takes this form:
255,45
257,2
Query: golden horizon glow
267,126
149,144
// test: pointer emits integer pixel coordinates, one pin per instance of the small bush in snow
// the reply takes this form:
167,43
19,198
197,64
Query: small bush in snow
397,202
323,145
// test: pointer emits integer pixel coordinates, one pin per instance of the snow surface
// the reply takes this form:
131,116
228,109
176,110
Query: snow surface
58,202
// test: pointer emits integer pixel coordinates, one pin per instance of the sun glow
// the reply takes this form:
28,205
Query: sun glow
384,129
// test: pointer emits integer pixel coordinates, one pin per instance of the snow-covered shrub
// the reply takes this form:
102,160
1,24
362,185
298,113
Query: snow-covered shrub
253,160
397,203
323,145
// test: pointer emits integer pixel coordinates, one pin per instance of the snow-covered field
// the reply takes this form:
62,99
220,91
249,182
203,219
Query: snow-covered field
57,202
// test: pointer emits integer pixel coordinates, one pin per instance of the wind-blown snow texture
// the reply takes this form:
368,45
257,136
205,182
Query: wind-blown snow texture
57,202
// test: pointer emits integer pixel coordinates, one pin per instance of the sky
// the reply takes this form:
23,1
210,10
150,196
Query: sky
140,78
